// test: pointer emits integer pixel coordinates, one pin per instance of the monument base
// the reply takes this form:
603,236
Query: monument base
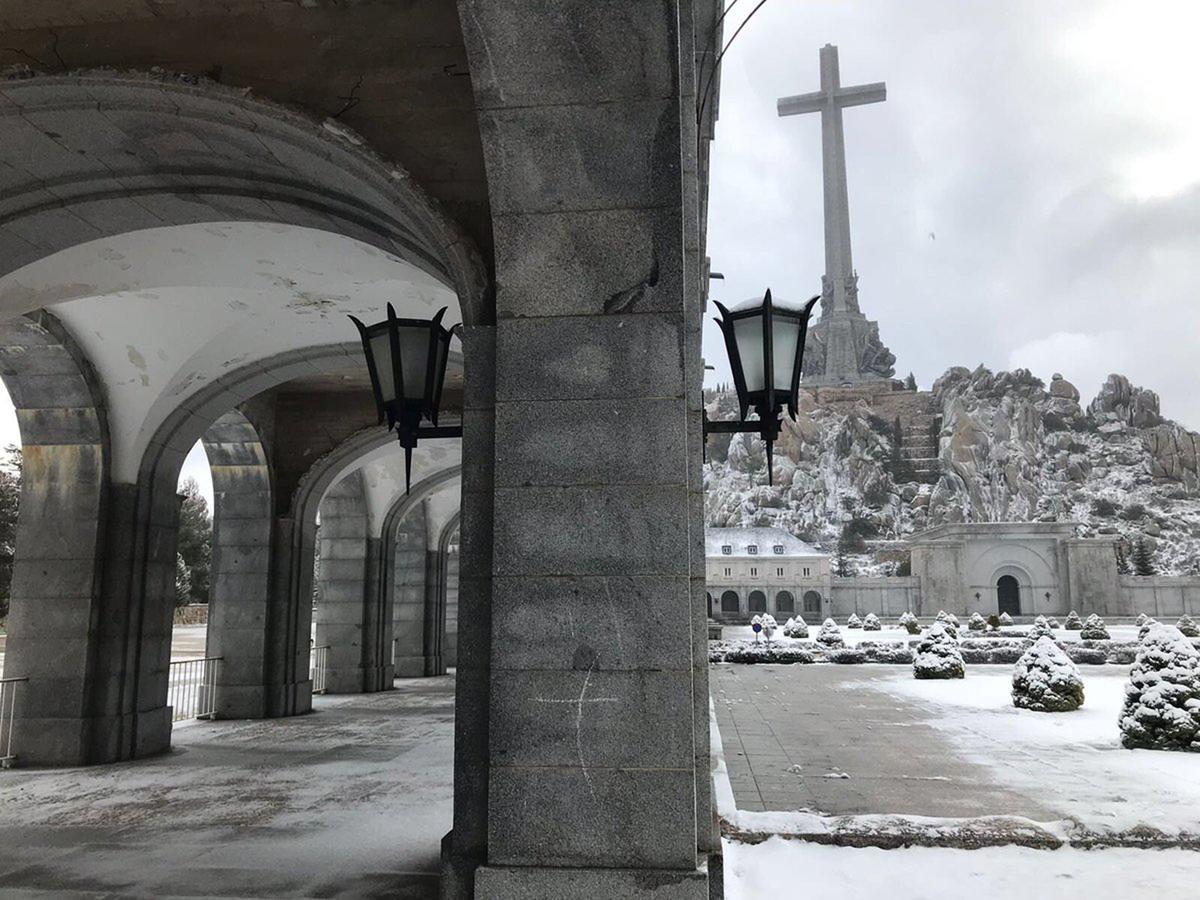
528,883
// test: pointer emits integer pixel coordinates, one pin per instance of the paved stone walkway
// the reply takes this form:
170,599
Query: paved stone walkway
350,801
791,732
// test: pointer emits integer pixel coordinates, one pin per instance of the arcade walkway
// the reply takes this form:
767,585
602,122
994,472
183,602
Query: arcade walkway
350,801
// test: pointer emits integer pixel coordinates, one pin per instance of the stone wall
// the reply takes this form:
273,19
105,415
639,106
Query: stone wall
885,596
1165,597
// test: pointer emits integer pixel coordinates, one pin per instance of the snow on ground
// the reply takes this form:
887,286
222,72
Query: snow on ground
1071,761
779,868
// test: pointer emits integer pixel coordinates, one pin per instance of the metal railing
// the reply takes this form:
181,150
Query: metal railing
319,669
192,688
8,703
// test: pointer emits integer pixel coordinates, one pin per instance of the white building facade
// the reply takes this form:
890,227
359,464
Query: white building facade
757,570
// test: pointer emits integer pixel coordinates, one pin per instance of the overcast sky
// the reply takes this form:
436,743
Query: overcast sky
1028,195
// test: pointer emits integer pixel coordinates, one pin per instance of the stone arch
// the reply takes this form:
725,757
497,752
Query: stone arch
730,602
812,602
239,615
785,602
446,615
419,647
117,152
756,601
76,704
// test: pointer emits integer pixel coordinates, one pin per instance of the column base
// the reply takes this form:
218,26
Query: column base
528,883
419,666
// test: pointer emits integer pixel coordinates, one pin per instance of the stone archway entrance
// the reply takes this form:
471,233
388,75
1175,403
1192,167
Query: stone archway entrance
812,602
785,602
758,602
1008,595
729,602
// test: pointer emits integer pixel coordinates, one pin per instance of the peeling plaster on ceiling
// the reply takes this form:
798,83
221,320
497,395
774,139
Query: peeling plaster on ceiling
383,475
163,311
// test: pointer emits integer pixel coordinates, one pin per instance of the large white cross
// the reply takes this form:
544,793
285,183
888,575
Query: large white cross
829,102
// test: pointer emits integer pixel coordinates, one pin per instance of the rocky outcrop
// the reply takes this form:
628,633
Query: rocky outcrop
1010,448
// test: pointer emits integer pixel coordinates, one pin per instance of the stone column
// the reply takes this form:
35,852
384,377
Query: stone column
342,585
239,600
408,593
592,756
450,604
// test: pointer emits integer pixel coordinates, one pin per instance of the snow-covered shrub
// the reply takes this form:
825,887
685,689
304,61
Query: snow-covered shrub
795,628
1053,622
977,622
1094,629
854,621
1005,619
846,655
872,623
830,635
1006,655
1140,620
909,623
1073,623
769,626
1040,629
938,655
892,652
1086,656
1145,628
1162,698
974,656
947,619
1187,627
747,652
1045,679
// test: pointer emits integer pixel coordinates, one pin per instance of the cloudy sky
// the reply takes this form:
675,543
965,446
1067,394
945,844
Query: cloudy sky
1028,195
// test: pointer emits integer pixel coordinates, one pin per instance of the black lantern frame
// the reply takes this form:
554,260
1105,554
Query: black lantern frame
404,412
770,400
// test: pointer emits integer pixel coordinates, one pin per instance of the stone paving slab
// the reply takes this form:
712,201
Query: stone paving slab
791,732
349,801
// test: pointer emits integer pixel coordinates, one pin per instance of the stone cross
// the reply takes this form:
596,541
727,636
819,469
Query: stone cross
829,102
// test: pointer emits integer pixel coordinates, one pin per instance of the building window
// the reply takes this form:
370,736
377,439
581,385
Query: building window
779,572
806,571
752,549
778,549
728,571
753,572
726,549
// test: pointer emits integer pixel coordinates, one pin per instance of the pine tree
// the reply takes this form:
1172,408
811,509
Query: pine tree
1143,558
195,540
910,382
10,502
1045,679
1162,698
1122,560
937,655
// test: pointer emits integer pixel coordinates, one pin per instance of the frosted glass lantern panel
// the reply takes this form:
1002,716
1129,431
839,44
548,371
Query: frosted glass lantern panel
749,335
786,341
414,359
381,352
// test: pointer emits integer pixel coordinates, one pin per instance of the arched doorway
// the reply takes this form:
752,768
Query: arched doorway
785,602
729,602
758,602
812,602
1008,595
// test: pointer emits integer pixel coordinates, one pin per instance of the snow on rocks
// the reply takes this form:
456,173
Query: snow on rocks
872,623
1005,619
1162,698
1045,679
937,655
909,623
1187,627
830,635
854,621
1073,623
1094,629
796,628
977,622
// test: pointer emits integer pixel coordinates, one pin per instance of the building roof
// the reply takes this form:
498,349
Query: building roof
765,539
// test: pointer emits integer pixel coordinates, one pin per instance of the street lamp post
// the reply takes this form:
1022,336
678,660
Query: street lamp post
765,344
407,359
